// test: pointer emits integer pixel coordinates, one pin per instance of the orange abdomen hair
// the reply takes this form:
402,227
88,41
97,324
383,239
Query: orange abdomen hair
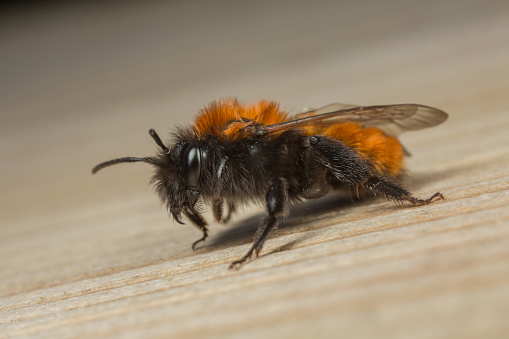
384,152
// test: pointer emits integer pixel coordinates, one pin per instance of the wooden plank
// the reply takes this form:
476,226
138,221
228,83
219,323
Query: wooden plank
84,255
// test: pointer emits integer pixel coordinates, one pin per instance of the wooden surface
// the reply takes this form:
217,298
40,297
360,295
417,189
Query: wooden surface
96,256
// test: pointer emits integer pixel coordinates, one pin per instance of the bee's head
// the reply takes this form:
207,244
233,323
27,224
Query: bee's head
177,177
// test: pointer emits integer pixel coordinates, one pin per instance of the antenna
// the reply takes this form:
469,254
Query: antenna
158,141
148,160
120,160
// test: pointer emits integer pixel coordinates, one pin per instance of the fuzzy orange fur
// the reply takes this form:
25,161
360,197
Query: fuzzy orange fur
226,120
384,152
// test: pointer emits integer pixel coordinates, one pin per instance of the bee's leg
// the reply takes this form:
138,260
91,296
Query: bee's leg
277,203
199,222
231,210
217,209
217,201
340,160
349,168
391,191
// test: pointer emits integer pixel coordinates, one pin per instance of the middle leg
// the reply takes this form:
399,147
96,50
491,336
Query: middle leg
277,203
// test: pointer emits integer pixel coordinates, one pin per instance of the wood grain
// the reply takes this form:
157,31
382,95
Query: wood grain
95,256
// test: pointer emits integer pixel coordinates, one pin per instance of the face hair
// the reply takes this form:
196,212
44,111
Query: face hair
148,160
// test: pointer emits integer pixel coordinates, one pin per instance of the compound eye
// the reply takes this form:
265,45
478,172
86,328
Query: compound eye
193,166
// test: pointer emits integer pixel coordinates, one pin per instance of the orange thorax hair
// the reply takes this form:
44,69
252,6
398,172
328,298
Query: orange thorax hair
226,120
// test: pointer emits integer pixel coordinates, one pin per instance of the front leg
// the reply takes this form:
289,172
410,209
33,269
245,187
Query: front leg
277,203
199,222
217,210
231,210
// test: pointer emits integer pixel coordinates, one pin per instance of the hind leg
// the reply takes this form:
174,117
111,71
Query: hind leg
383,187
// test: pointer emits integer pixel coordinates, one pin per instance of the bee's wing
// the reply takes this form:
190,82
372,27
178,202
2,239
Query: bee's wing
326,109
393,119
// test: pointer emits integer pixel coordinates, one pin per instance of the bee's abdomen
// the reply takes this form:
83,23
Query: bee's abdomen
383,152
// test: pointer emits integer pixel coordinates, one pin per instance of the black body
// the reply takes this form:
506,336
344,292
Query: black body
275,170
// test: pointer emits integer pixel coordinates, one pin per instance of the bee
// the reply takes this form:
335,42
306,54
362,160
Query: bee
236,154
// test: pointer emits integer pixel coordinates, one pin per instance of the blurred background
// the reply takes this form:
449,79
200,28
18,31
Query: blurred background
81,83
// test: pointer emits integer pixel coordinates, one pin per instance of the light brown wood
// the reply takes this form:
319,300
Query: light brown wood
95,256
